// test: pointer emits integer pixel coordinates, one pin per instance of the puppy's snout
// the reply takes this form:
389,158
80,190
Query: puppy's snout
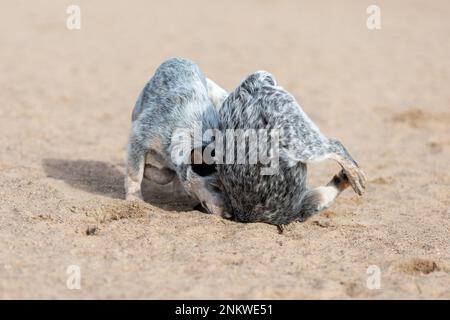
213,208
203,204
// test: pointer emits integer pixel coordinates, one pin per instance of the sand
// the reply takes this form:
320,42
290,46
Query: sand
65,104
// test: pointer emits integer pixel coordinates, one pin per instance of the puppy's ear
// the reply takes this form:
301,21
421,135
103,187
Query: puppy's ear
199,164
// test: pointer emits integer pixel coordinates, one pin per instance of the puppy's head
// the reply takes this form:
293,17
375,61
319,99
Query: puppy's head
200,181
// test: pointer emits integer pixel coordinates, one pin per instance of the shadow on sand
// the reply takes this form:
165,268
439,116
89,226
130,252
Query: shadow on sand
106,179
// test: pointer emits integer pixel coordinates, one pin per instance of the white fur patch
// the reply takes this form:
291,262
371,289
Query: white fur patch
216,94
328,194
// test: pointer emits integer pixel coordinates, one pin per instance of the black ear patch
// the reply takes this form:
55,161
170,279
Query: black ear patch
203,169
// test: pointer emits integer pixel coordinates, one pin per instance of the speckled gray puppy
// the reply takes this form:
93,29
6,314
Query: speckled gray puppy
178,98
258,103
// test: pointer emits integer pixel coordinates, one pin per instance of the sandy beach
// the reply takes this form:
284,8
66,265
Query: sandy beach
66,98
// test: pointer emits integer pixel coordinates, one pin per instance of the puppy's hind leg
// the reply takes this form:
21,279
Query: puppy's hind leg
355,176
322,197
332,149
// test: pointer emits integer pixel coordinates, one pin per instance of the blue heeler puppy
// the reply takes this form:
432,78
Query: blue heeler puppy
282,197
177,101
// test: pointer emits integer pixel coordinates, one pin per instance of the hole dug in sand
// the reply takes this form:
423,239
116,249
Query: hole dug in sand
418,266
115,210
416,117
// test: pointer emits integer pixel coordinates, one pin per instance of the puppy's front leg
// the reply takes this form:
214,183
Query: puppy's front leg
134,168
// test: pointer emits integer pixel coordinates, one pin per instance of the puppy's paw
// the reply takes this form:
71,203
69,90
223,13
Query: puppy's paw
356,177
134,197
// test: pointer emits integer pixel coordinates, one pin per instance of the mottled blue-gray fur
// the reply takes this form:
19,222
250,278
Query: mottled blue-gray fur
179,97
258,103
175,98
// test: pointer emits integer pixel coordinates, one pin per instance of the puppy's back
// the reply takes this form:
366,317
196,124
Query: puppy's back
176,82
258,103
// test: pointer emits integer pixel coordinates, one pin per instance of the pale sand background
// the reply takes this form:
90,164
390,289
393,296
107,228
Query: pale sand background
65,104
